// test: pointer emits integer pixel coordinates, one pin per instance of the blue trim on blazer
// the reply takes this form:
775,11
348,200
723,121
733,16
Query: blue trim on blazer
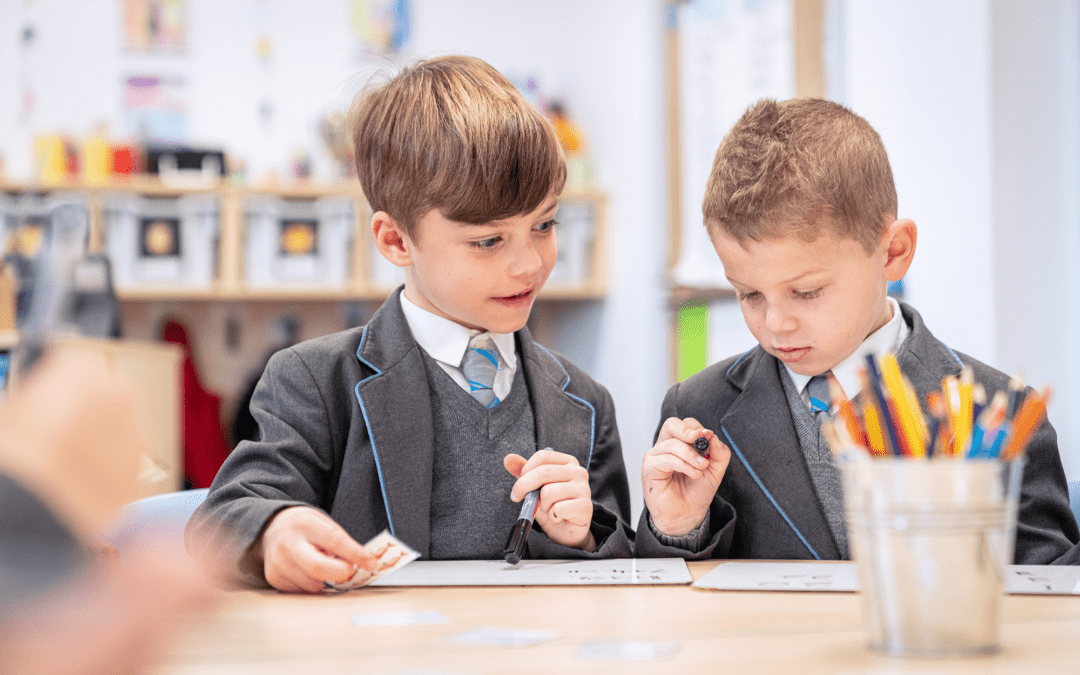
592,422
367,423
953,354
739,360
757,480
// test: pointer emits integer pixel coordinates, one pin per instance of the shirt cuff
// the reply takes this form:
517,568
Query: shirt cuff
694,540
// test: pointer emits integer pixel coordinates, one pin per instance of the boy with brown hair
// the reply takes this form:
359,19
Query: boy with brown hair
801,208
427,420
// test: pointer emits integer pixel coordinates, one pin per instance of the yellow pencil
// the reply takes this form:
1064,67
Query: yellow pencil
965,416
909,416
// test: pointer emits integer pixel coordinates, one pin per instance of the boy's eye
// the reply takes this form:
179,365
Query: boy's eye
749,296
808,295
547,226
488,243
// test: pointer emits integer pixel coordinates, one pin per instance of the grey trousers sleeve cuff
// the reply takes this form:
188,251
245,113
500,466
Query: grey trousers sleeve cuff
694,540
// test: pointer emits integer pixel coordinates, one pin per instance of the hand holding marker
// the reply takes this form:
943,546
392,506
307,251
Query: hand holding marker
515,545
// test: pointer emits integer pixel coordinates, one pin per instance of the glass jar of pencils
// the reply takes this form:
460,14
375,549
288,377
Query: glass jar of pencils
931,540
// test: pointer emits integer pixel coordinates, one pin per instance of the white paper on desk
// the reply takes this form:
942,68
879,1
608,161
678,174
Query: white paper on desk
1043,580
501,637
618,572
841,576
772,576
390,555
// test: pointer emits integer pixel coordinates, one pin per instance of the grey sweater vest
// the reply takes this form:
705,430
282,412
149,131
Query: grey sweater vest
823,472
471,511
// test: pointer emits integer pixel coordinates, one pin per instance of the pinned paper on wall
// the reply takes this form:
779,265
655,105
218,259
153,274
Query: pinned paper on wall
154,25
155,109
382,25
730,55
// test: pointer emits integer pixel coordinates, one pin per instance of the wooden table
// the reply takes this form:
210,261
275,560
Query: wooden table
723,632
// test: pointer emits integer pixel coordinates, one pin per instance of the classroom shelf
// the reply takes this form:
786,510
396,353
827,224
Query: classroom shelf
230,285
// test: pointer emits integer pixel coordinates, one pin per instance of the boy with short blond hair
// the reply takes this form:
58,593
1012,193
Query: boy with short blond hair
429,420
801,208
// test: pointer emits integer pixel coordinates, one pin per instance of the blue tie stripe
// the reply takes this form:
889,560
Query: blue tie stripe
479,366
818,405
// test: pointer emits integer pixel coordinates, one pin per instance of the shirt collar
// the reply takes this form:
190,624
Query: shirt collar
886,339
445,340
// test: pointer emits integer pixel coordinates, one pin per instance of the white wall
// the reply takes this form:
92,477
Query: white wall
977,102
1035,69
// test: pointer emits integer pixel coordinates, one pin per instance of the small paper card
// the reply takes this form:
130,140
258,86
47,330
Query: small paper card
628,651
500,637
413,618
390,555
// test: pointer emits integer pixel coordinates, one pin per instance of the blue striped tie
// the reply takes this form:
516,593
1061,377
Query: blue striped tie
479,366
818,388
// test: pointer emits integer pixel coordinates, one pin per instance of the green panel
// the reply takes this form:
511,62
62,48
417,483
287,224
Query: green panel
692,337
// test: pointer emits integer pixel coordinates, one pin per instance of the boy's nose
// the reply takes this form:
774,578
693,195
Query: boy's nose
779,320
527,261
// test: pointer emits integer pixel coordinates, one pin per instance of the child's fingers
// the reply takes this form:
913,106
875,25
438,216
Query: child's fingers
288,577
546,474
514,464
547,457
685,430
566,501
683,451
665,465
321,566
323,533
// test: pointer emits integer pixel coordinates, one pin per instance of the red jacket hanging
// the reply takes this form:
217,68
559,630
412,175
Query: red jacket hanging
205,447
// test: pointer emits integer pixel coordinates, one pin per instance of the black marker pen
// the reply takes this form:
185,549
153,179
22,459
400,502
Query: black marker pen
701,444
515,545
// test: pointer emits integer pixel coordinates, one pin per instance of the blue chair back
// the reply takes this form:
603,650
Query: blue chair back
156,521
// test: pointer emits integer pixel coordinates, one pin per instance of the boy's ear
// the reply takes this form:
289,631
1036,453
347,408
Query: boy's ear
390,239
899,241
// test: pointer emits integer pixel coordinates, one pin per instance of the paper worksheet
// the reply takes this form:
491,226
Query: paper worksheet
781,576
829,576
621,572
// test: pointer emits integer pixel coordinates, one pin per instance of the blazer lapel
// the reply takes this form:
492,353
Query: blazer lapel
759,430
396,404
559,416
923,359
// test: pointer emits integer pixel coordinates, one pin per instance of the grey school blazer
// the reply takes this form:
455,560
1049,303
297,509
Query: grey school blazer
766,507
346,426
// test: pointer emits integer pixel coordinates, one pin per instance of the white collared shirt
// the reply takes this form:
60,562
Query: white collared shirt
886,339
446,341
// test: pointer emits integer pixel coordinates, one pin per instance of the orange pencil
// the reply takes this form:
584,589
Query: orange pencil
846,412
1026,421
938,435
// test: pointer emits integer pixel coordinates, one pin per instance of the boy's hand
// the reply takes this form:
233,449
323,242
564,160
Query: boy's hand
677,482
565,509
302,547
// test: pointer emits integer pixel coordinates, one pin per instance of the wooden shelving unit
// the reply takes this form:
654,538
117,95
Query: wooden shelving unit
229,284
